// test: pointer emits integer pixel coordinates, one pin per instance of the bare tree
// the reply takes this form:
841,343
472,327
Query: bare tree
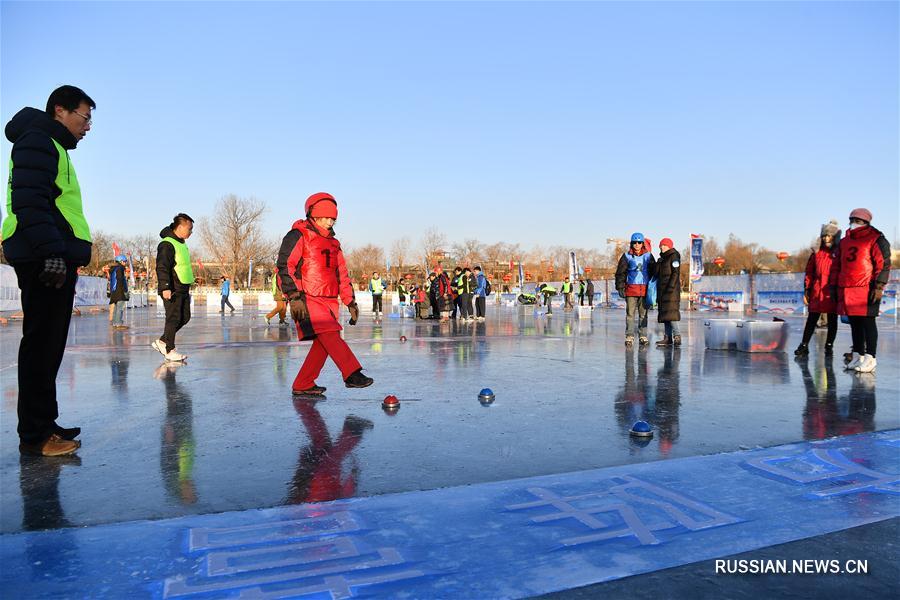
233,235
400,252
433,242
101,252
468,252
363,260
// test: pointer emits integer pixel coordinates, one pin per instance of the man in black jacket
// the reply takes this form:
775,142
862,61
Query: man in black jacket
46,238
174,277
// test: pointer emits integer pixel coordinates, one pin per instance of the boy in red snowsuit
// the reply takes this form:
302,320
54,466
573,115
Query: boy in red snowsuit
314,278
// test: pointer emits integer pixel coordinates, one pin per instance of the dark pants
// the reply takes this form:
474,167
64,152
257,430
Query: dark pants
479,305
465,305
864,333
813,319
435,308
580,299
548,303
45,328
178,313
224,302
376,303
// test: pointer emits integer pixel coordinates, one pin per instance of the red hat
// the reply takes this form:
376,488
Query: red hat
667,242
862,213
321,204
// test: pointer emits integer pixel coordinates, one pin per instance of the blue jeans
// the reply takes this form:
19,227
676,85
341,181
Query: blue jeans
119,313
671,329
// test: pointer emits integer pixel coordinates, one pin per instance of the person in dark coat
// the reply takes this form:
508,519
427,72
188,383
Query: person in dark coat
668,292
117,292
46,238
589,287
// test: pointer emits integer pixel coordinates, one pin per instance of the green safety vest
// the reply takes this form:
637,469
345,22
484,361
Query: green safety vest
68,202
566,287
182,261
549,289
377,286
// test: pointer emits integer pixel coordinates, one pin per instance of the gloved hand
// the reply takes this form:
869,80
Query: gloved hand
876,293
54,273
621,294
299,310
833,290
354,312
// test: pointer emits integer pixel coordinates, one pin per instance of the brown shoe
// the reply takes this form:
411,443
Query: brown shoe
53,446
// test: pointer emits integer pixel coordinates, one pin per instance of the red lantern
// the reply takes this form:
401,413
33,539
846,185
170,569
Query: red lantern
782,256
550,269
719,261
588,270
507,277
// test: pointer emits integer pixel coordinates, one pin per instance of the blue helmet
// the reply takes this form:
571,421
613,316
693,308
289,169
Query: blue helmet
121,258
637,237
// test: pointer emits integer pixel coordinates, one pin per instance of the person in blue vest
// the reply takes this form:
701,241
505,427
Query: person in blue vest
226,291
633,273
481,293
118,292
46,238
376,286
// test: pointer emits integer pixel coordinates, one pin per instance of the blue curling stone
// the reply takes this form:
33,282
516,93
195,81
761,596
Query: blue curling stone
486,396
642,429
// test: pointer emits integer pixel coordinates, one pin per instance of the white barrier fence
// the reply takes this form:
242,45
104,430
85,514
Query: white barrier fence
89,291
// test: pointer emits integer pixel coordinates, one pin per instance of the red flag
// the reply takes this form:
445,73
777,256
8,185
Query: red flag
116,250
510,264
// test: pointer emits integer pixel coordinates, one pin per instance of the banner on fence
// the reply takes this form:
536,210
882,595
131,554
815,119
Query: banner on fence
780,303
720,301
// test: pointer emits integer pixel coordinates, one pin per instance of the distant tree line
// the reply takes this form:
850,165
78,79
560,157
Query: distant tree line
233,235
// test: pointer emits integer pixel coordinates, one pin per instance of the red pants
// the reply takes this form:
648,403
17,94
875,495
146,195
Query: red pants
325,345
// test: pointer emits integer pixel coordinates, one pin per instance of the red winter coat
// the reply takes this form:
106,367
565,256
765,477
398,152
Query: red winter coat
862,262
312,262
818,270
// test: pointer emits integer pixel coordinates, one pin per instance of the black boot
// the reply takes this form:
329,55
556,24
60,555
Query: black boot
829,349
358,380
802,350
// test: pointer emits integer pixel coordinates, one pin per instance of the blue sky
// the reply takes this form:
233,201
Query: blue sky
538,123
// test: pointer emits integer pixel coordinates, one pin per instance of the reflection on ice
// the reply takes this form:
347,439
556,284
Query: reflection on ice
222,432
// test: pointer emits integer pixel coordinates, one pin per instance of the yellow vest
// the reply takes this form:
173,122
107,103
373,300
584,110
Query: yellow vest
68,202
182,261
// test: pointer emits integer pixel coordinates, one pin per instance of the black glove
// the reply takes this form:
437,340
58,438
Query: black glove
621,293
833,290
299,311
875,294
54,273
354,312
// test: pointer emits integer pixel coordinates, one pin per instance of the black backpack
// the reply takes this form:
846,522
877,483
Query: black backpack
487,286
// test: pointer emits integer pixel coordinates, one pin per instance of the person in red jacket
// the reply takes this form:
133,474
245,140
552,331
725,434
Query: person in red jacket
860,270
816,291
314,278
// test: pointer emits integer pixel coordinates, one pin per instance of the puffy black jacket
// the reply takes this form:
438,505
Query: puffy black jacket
42,231
668,286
